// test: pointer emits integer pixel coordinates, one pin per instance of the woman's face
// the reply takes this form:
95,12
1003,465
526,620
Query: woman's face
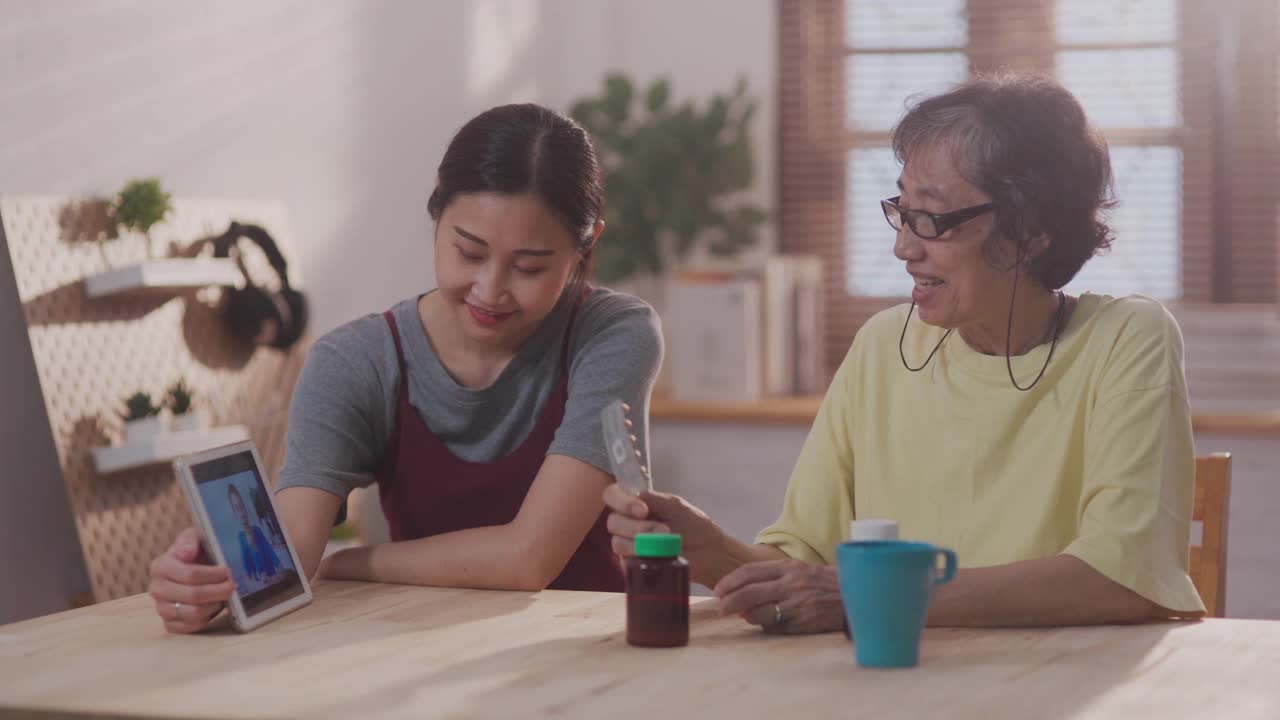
502,261
956,285
237,504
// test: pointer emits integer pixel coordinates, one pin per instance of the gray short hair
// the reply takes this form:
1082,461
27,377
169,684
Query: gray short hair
1025,141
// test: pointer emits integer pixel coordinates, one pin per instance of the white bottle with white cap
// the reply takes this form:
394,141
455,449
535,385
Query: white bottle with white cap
873,529
870,530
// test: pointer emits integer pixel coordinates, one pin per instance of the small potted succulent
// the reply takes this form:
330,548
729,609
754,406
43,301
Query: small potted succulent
142,419
185,417
141,204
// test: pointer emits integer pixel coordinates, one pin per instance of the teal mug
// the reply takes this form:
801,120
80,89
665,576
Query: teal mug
886,587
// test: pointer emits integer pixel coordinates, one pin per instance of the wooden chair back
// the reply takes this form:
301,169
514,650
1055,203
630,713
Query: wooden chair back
1209,559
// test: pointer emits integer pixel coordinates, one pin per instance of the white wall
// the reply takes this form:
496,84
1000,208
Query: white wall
341,109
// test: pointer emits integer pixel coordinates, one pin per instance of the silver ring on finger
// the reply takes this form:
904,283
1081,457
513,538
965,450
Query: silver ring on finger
177,611
778,616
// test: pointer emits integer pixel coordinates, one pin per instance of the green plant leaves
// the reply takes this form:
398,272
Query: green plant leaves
617,98
656,98
670,172
138,406
141,204
179,398
740,228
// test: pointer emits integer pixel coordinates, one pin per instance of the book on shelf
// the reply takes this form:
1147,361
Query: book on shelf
810,375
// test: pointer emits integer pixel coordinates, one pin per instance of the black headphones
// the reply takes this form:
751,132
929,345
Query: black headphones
248,309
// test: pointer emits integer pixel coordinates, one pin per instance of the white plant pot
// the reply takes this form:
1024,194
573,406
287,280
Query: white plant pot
190,420
146,429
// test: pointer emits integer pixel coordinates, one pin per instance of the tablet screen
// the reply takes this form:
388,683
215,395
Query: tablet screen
247,530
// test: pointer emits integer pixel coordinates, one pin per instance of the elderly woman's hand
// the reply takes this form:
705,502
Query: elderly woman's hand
783,596
703,540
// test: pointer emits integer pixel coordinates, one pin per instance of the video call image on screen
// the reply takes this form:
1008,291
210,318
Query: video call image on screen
247,531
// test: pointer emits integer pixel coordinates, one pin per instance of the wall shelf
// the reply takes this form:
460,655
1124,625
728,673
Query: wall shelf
164,274
798,409
164,448
802,409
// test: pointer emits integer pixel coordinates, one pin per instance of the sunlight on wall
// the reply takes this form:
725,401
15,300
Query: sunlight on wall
501,34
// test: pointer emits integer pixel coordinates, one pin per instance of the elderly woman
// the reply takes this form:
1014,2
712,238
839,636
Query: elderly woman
1045,437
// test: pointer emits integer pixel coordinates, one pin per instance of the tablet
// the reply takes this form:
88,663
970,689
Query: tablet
240,528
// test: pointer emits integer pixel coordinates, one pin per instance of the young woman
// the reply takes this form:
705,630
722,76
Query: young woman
474,407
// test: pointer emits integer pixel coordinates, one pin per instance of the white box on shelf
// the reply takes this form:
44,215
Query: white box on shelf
164,447
167,273
143,430
716,345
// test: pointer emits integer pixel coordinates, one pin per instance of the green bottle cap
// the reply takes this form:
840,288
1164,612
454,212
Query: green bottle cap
657,545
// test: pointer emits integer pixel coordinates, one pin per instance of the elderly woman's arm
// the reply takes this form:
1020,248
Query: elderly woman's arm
1058,590
1053,591
1134,514
1128,561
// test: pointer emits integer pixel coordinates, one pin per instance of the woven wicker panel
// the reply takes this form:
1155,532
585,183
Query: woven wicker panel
92,354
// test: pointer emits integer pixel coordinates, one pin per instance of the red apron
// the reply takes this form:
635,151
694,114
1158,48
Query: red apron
426,490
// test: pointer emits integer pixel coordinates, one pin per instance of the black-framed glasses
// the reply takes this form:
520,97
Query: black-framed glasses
926,224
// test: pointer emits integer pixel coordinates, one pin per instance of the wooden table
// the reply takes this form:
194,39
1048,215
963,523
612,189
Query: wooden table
364,650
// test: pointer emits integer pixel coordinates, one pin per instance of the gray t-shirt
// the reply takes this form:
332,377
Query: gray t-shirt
344,406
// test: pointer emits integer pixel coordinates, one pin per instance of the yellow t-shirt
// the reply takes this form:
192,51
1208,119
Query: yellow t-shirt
1096,460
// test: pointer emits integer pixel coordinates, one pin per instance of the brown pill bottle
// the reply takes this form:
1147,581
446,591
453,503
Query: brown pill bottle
657,592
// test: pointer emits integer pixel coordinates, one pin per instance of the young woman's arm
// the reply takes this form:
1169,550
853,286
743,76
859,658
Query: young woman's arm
308,515
617,353
524,554
189,592
336,422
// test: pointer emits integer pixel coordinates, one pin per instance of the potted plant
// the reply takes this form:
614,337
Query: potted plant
184,416
140,205
672,172
142,420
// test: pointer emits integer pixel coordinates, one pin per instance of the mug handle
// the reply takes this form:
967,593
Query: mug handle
949,572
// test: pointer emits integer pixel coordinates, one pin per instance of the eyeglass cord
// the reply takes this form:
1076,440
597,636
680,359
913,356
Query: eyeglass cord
902,354
1057,333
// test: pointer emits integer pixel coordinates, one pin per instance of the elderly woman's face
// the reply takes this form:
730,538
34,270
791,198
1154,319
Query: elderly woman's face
955,282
